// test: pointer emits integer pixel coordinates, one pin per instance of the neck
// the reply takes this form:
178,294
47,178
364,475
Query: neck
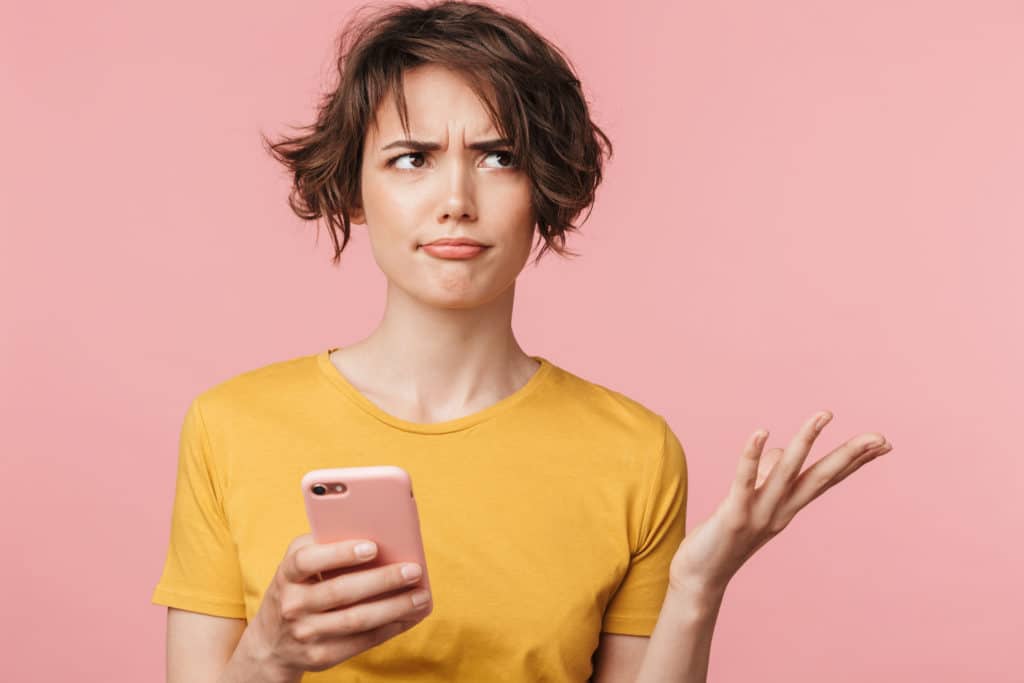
441,359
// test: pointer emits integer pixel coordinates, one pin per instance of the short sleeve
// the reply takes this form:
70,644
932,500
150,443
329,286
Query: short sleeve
201,572
635,607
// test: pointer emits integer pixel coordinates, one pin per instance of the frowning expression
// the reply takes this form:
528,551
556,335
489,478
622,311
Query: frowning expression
453,177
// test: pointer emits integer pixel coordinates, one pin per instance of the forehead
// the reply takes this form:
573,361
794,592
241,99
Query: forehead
438,101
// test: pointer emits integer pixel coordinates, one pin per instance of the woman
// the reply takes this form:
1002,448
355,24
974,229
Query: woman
552,508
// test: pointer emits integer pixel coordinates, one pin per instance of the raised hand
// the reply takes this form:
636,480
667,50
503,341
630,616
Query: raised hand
765,495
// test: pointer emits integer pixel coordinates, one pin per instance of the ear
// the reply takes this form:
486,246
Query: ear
356,216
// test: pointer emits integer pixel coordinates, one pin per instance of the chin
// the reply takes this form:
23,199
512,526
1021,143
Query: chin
456,294
454,300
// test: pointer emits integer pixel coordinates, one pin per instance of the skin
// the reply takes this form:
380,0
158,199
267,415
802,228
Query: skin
444,347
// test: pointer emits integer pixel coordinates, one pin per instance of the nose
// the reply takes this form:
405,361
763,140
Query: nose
459,199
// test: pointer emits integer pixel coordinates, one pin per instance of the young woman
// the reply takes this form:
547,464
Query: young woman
552,508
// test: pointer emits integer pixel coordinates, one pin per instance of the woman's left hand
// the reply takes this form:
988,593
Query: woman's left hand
765,495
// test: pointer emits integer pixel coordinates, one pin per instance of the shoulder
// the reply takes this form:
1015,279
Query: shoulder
266,387
607,411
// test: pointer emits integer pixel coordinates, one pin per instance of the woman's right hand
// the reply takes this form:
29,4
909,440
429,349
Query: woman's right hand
308,624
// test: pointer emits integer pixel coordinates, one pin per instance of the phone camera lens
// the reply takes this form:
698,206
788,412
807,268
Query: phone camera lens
319,489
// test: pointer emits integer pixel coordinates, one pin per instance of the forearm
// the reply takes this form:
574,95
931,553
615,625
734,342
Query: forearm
680,645
251,664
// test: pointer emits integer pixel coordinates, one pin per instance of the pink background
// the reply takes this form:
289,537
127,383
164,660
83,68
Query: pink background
813,205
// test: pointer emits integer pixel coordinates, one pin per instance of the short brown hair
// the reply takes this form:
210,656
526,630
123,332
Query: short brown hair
538,105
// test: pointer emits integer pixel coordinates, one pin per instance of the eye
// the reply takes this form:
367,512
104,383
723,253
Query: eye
507,153
391,161
509,161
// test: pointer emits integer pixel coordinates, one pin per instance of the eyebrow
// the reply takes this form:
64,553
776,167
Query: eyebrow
424,146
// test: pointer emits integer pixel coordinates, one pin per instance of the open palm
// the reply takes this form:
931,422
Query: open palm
765,495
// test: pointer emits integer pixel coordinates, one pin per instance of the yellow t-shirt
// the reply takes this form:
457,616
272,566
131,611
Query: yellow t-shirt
547,518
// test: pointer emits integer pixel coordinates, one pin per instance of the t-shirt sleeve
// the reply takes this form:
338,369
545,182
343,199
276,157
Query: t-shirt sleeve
635,607
201,572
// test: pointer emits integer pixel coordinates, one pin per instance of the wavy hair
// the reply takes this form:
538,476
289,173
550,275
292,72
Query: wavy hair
527,85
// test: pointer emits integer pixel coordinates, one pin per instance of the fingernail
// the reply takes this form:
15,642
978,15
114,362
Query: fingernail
420,597
411,571
365,550
823,420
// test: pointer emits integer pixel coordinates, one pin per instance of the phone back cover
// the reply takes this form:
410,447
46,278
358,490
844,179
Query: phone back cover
378,505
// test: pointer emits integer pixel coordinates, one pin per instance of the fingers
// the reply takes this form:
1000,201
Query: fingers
365,617
307,559
382,633
746,472
769,459
792,459
833,468
863,457
867,457
351,588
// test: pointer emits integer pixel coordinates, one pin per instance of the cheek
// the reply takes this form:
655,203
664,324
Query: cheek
392,217
515,205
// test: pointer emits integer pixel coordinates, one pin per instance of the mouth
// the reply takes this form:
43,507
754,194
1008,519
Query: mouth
456,241
459,250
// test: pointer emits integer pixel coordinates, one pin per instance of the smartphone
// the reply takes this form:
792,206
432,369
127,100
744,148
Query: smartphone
374,503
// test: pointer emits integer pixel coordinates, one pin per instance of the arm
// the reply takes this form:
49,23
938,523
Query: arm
202,648
199,645
764,498
618,657
680,645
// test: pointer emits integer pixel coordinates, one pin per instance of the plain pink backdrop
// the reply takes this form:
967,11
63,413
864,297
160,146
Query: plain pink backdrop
812,205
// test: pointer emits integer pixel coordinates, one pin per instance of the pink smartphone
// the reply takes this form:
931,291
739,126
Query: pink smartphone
374,503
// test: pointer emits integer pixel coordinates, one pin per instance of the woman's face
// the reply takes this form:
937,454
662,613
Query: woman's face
412,196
